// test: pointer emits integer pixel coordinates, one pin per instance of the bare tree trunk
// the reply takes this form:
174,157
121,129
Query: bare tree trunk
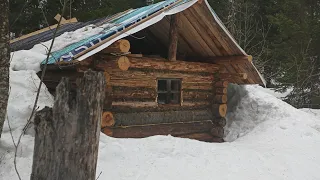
4,60
67,136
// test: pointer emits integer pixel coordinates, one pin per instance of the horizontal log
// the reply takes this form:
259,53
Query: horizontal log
219,110
197,95
174,129
197,86
231,59
120,46
107,119
142,118
160,64
137,104
233,76
206,137
150,76
217,132
149,79
220,99
128,109
128,93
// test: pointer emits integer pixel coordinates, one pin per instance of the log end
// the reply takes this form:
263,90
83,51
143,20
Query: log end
124,63
107,131
219,110
124,45
223,84
107,119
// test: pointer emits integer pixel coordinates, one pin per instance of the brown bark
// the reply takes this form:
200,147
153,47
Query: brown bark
159,64
4,61
129,93
148,79
67,136
196,95
169,116
173,37
174,129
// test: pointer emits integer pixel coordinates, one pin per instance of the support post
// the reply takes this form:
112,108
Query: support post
67,136
173,37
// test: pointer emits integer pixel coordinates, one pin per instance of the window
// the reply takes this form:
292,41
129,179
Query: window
169,91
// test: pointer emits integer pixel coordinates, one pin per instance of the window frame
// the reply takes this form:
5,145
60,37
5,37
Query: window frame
168,92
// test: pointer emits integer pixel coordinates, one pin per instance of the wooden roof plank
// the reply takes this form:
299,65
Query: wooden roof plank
201,30
213,27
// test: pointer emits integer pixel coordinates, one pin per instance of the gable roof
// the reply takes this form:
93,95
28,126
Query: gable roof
202,34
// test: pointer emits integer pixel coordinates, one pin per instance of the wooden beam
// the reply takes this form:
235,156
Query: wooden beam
73,20
223,59
174,129
231,59
157,64
173,37
57,18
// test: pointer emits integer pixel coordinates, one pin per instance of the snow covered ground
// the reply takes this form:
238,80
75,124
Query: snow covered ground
267,139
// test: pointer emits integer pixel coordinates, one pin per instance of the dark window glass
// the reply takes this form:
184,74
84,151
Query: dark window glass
169,91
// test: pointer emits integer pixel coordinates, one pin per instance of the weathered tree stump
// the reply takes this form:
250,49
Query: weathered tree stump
67,136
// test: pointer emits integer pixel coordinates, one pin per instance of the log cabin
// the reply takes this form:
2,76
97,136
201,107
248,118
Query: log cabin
167,68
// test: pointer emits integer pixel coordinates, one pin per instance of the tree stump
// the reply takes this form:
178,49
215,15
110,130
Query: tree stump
67,136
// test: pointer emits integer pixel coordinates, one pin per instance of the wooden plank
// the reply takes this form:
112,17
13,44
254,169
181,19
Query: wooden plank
190,33
201,31
174,129
161,30
223,60
58,16
73,20
215,29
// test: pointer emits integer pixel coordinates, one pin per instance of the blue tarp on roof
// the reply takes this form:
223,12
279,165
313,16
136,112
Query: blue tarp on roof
117,25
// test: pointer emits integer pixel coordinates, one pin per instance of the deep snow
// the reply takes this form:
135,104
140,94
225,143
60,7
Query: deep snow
268,139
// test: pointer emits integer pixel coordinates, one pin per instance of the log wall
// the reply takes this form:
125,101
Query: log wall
131,96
